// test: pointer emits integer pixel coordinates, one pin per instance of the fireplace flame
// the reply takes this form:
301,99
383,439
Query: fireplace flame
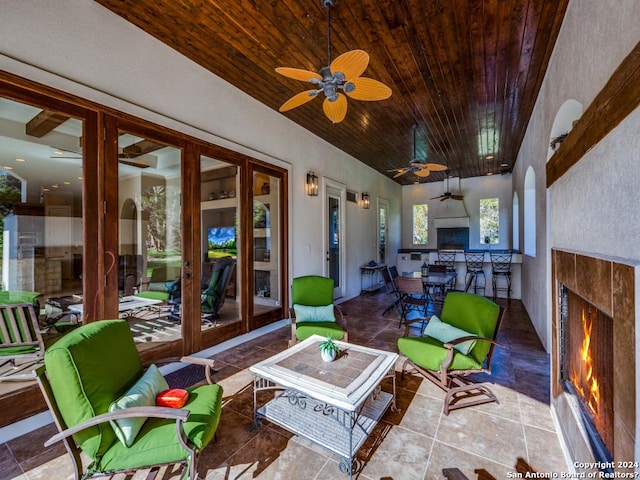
585,382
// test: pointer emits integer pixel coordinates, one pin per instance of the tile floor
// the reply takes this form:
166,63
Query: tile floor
486,441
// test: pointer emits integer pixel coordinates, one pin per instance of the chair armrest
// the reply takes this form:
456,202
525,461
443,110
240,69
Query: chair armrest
452,343
207,363
178,414
408,324
341,317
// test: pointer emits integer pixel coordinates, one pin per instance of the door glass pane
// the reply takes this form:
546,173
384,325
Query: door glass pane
266,243
382,233
221,235
41,212
334,240
150,241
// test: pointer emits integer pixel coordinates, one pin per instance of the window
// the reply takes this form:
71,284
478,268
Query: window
489,220
530,213
420,224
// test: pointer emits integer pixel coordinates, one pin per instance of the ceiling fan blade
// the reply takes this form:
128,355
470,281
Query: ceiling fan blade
298,74
299,99
444,198
436,167
422,172
457,197
352,64
367,89
401,172
336,110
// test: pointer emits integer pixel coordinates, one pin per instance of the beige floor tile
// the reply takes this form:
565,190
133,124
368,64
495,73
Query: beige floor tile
545,453
444,456
484,435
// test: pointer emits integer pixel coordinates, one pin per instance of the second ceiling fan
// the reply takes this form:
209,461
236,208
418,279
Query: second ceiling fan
447,194
418,167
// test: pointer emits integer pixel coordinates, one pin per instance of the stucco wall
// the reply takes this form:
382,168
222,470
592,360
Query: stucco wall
593,208
473,190
81,48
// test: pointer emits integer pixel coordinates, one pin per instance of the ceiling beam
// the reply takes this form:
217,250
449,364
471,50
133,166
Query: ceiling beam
140,148
44,122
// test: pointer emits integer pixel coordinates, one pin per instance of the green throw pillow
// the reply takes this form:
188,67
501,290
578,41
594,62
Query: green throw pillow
305,313
444,332
142,394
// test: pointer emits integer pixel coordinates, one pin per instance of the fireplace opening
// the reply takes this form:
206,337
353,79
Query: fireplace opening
586,367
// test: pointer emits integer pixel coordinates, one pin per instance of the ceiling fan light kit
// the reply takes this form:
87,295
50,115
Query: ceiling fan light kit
343,74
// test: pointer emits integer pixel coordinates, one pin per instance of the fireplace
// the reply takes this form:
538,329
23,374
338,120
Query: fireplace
594,360
586,368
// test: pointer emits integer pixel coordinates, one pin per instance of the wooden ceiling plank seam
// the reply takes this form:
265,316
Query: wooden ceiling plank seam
458,150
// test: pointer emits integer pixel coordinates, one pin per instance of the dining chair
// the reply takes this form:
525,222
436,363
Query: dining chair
413,298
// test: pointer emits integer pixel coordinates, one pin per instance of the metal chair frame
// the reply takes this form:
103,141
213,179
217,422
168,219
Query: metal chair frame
448,258
413,297
20,329
392,291
501,268
475,268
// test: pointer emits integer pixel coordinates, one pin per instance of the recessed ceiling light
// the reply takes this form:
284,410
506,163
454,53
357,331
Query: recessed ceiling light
67,183
55,185
57,152
504,164
20,160
45,189
79,178
8,168
489,173
489,157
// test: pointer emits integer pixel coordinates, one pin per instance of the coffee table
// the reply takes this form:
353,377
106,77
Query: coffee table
336,404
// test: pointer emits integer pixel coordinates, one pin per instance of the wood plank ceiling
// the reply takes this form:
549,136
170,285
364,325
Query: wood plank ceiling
466,72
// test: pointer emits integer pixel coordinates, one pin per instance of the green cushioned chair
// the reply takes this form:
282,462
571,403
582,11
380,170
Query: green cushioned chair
20,339
447,367
93,366
316,292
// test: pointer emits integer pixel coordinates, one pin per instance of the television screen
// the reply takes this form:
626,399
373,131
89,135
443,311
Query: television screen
221,242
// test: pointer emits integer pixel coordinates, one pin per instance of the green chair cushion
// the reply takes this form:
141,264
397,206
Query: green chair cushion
429,354
153,295
444,332
326,329
14,297
157,441
19,350
305,313
89,368
472,313
141,394
312,290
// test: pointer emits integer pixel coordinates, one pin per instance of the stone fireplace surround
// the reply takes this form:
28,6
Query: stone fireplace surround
610,285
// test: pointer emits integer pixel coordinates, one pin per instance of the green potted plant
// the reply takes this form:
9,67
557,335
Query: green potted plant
329,349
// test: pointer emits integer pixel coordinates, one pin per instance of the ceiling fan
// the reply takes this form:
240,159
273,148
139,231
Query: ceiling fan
447,194
341,74
416,166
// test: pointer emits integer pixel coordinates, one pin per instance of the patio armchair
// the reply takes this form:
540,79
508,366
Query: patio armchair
21,343
313,311
103,404
459,343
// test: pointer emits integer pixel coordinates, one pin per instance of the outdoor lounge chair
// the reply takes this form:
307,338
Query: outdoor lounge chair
460,344
20,339
100,396
313,311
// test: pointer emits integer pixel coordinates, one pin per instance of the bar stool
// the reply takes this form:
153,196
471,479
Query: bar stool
501,268
448,258
475,269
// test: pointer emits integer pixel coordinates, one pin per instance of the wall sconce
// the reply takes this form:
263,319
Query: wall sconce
312,184
366,203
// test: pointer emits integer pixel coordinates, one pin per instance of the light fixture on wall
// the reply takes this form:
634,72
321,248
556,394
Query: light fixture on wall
366,203
312,184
